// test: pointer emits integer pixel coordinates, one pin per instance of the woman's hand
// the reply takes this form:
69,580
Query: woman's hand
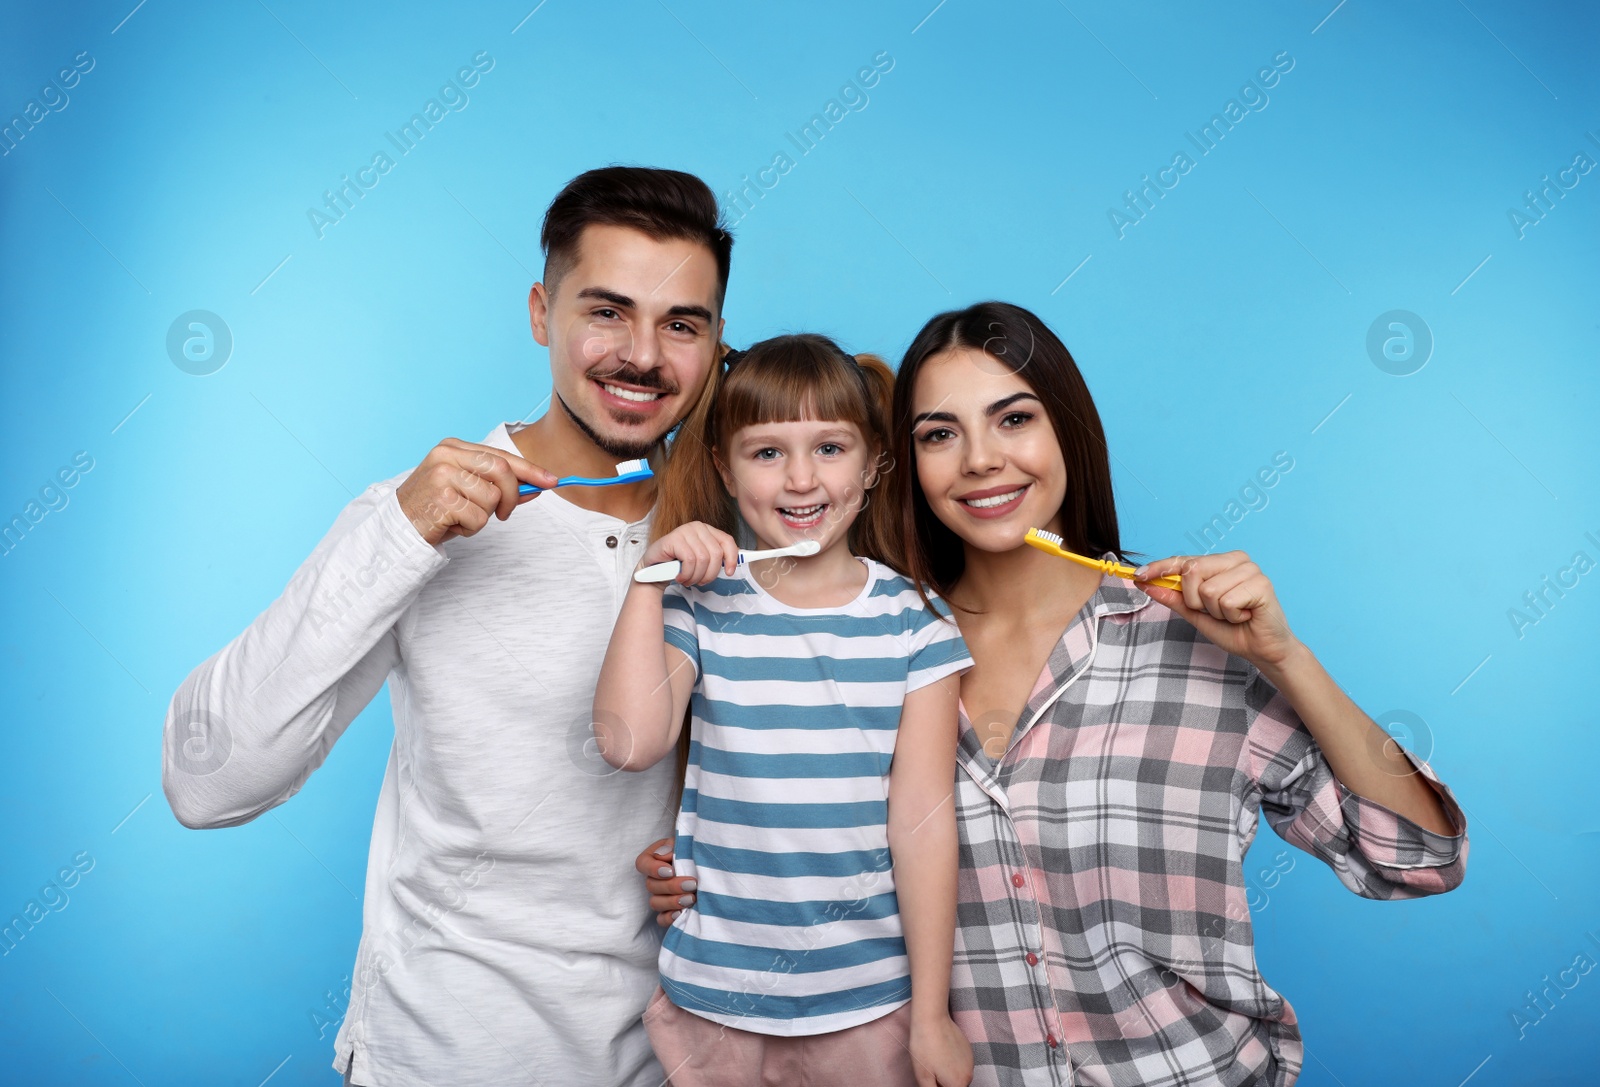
1230,601
703,551
669,894
941,1056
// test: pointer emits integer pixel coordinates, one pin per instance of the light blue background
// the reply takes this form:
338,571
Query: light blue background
1224,327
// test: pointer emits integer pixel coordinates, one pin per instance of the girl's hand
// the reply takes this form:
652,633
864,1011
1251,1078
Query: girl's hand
669,894
704,552
1230,601
941,1056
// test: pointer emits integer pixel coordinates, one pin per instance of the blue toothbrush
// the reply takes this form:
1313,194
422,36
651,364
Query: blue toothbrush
627,472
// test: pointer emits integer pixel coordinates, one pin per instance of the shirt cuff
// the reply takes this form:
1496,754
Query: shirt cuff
1390,840
923,677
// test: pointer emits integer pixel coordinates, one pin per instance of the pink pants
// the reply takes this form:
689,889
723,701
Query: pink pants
695,1052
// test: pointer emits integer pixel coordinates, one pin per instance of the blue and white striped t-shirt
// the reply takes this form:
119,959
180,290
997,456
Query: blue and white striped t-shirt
795,930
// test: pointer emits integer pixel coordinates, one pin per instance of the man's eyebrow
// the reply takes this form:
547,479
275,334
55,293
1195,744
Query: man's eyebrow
604,295
622,301
993,409
685,310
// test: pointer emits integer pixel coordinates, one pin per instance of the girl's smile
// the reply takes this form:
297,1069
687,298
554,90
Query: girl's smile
801,480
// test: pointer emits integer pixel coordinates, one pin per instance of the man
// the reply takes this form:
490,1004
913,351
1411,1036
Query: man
503,939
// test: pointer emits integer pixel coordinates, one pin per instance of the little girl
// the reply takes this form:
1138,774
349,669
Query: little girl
817,816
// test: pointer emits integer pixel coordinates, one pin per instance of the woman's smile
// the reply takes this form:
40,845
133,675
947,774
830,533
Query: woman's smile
995,501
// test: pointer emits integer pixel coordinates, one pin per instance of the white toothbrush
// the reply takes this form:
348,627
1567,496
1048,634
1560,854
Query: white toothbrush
666,571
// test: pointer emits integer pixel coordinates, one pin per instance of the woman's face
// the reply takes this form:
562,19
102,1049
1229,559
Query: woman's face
986,454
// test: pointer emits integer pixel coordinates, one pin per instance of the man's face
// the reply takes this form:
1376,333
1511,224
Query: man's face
632,331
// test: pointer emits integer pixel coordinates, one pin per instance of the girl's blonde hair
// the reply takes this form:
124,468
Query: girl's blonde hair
781,380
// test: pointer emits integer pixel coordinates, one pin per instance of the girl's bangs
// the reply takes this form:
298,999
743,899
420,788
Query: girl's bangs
788,383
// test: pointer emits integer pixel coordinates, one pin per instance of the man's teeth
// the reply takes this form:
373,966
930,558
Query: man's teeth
629,394
994,500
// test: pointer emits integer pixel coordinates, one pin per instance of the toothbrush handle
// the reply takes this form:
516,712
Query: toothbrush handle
666,571
1170,581
661,571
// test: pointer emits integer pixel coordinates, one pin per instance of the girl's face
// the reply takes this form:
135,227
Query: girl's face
987,457
795,481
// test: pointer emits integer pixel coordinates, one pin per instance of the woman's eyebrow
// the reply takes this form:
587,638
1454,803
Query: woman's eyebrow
998,406
1006,401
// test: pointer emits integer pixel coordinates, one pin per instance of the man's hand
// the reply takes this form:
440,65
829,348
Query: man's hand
459,484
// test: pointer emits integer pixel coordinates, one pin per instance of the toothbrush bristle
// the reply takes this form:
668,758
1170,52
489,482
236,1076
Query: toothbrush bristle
628,466
807,547
1047,537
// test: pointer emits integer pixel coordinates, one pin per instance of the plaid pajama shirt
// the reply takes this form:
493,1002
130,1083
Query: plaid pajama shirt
1103,931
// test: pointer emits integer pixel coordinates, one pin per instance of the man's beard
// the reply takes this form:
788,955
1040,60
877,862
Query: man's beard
618,448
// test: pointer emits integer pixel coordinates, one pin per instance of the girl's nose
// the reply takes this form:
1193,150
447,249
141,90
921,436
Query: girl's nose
802,475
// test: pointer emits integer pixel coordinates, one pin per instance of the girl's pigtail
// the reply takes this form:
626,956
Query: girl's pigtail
691,486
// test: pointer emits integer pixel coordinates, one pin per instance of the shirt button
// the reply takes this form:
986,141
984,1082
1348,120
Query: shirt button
1016,879
1052,1040
611,541
1033,960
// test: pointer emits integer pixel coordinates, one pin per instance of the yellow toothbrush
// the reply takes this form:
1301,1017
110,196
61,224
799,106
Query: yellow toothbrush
1050,543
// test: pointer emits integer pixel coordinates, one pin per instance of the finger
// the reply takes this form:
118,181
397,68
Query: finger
1192,580
657,856
730,554
671,886
495,468
523,469
1227,582
1173,599
480,490
1220,584
470,517
707,562
1239,604
1160,567
1206,566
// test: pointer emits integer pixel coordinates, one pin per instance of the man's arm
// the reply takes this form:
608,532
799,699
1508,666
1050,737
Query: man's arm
247,727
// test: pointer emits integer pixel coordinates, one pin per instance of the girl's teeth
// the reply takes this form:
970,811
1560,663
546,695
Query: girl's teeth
993,500
802,514
629,394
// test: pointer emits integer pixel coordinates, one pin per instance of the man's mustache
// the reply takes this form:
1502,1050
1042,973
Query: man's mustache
628,375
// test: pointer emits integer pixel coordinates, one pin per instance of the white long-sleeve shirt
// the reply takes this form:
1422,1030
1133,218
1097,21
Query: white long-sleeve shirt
505,937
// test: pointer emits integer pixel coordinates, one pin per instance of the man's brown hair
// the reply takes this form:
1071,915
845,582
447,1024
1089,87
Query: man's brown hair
661,204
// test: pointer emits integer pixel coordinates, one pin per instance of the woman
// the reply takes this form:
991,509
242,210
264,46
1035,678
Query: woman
1119,742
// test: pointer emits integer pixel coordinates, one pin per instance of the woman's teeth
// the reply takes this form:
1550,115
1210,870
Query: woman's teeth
630,394
993,500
